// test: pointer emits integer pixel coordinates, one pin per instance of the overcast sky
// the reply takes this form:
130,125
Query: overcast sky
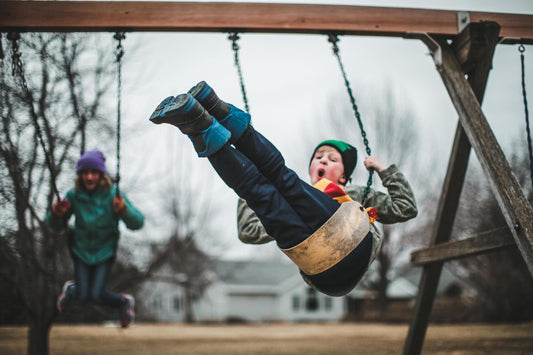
290,80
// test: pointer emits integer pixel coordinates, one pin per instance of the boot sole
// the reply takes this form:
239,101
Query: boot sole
183,112
200,91
159,113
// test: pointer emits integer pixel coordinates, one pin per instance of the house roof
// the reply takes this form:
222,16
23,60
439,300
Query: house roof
274,273
255,272
447,278
401,288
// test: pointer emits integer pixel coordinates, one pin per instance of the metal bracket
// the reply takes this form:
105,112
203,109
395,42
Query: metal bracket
463,19
434,47
511,40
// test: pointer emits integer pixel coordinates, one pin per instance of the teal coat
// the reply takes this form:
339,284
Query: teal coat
95,236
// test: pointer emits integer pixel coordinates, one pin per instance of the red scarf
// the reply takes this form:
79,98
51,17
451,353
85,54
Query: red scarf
337,193
332,190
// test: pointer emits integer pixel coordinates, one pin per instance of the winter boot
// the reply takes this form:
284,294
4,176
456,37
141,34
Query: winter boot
184,112
234,119
64,297
127,310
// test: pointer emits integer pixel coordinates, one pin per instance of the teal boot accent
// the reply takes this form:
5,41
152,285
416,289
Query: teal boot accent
236,122
211,139
184,112
234,119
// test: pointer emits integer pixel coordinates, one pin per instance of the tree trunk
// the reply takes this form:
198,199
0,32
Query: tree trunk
38,338
187,301
383,270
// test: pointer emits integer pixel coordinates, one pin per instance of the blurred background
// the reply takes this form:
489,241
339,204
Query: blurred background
187,264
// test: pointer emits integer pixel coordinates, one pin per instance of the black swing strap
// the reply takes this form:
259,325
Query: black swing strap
522,49
332,38
18,69
234,37
119,53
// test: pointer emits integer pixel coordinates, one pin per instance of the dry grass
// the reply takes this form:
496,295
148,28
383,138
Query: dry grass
293,339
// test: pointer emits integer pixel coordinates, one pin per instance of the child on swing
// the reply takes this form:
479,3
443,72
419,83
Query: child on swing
307,223
97,209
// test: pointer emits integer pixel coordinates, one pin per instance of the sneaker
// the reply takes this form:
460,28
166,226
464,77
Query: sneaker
233,119
63,298
127,312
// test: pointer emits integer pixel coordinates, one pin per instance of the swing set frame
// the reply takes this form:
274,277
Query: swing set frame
461,43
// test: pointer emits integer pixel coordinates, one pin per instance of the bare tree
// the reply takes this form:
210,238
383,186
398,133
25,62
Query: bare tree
396,140
188,266
67,76
187,199
502,283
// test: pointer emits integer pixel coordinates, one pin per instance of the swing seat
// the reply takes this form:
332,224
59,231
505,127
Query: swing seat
333,241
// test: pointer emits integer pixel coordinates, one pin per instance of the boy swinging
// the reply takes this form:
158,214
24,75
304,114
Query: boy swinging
325,234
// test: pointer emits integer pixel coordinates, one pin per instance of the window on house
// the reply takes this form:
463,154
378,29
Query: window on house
311,303
295,303
177,304
156,303
328,303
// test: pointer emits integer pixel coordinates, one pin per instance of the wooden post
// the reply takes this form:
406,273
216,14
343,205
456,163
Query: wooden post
450,194
515,207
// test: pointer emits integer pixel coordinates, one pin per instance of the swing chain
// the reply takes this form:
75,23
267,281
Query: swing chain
119,53
119,50
1,48
16,62
18,70
234,37
522,49
333,39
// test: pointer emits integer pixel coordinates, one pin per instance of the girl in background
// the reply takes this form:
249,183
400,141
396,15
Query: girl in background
97,209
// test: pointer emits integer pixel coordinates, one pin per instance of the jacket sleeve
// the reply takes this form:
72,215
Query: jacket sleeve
60,223
249,227
132,217
398,205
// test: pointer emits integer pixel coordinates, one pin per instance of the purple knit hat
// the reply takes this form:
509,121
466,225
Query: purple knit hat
92,159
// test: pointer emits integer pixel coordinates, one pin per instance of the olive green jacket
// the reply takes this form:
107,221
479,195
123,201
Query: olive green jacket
95,235
398,205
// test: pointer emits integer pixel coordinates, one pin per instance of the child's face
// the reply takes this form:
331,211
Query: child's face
90,178
327,163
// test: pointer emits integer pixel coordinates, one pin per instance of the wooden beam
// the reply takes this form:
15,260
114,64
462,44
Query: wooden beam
85,16
448,203
477,244
472,45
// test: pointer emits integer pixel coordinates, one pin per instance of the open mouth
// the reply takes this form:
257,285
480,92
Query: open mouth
321,173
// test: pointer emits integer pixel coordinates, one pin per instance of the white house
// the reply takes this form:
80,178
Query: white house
252,291
257,291
262,291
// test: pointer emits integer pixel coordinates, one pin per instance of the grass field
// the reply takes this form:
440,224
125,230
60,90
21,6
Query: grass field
293,339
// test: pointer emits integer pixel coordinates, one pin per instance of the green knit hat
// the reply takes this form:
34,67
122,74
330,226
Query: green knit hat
347,151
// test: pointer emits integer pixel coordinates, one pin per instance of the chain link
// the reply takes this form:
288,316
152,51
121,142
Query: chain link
522,49
234,37
332,38
119,53
1,48
18,70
